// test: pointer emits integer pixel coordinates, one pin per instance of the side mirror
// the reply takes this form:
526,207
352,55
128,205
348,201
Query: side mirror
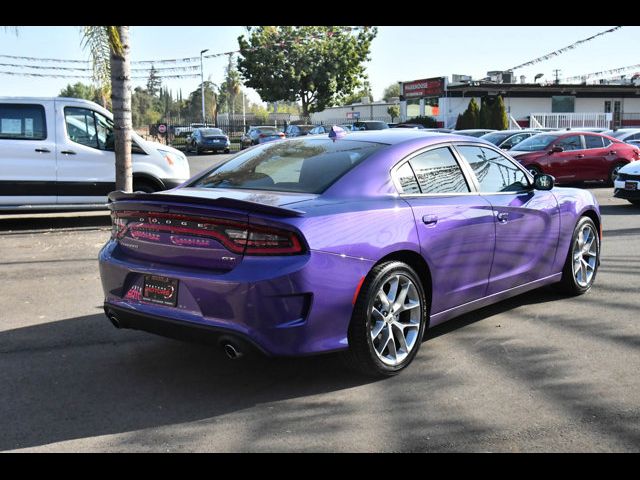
556,149
542,181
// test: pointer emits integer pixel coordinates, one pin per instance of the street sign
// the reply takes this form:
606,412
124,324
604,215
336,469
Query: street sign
162,128
355,115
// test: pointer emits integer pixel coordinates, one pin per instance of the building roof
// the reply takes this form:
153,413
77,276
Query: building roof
542,90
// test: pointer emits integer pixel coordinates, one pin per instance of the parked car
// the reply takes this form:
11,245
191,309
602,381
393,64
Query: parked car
348,127
320,129
507,139
575,156
473,132
298,130
356,244
627,183
588,129
369,125
625,134
257,135
409,125
59,153
211,139
439,130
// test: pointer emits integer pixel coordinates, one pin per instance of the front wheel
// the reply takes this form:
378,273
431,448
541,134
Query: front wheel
614,172
583,258
388,322
533,170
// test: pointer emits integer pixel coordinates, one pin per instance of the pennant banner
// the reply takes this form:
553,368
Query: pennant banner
603,73
564,49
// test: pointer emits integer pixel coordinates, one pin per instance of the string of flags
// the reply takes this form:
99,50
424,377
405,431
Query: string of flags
89,77
564,49
603,73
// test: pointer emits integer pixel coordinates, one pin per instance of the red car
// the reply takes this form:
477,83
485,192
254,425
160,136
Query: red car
575,156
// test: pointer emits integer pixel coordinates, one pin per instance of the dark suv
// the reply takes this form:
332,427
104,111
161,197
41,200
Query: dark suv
370,125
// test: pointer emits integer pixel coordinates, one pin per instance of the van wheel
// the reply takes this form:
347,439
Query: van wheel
144,186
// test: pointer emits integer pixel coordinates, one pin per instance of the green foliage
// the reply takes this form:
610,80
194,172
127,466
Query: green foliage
260,112
154,84
485,113
470,117
425,121
356,97
460,122
392,90
393,111
194,103
499,120
315,65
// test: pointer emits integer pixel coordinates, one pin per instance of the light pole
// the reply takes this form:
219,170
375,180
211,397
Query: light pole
202,83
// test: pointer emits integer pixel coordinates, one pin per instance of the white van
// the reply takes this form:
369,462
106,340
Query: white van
58,153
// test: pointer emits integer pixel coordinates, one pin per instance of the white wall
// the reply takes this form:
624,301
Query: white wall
377,111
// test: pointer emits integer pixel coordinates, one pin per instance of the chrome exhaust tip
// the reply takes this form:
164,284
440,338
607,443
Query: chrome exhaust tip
114,320
232,351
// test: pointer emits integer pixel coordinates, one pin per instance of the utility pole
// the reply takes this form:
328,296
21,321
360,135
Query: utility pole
202,84
556,72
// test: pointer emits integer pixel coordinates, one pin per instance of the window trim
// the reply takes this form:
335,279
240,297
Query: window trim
463,168
528,176
44,123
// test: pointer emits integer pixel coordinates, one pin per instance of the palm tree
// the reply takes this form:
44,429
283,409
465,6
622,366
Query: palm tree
110,54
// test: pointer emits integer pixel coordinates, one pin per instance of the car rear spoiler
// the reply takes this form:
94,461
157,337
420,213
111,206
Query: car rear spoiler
223,202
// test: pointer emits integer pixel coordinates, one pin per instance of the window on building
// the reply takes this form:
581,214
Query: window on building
563,104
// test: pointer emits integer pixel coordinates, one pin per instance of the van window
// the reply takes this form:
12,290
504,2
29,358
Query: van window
22,122
92,129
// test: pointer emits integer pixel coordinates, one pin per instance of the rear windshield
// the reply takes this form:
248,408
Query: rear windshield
266,129
536,143
300,165
211,131
617,133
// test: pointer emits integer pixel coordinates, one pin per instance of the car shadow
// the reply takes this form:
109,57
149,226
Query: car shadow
21,223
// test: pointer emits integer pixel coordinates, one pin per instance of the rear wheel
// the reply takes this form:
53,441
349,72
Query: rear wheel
583,259
388,322
533,170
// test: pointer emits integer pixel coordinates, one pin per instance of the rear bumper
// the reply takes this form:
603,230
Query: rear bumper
285,306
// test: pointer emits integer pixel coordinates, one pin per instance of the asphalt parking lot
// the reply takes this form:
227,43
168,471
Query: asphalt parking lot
539,372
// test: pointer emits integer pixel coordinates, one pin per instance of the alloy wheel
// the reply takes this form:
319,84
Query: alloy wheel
585,255
394,319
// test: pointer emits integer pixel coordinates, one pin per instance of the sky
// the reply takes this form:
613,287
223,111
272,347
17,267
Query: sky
398,53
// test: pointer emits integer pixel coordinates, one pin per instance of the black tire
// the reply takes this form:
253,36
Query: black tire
197,149
361,355
226,150
144,186
613,173
568,284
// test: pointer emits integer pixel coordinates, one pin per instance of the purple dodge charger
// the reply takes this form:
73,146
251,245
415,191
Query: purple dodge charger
354,244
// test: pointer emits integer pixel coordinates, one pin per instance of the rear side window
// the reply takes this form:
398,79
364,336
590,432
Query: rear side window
495,172
22,122
438,171
570,143
591,141
407,180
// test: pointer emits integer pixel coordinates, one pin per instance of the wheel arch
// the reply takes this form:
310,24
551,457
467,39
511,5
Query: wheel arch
145,177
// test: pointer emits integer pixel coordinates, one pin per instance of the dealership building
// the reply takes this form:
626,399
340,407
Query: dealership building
528,104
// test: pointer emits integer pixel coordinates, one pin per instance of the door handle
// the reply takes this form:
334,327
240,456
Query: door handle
503,216
430,219
613,152
43,150
68,152
580,155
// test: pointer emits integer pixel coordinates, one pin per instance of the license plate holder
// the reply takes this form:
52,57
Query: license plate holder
160,290
630,185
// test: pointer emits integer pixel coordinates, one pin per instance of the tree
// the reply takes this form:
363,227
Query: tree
485,114
460,122
232,83
110,53
393,111
194,109
499,120
473,114
391,91
315,65
154,83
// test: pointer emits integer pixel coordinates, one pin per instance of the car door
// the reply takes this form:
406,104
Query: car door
565,165
526,221
455,225
596,162
27,153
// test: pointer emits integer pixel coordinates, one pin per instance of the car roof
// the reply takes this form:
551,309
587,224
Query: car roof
394,136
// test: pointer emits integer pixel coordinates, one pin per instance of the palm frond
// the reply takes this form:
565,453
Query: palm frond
11,29
98,40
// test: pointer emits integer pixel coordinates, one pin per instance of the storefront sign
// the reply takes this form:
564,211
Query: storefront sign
424,88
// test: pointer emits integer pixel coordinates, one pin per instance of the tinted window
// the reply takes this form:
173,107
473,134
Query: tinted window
570,143
211,131
495,138
308,165
495,172
536,143
591,141
407,179
438,172
22,122
89,128
515,140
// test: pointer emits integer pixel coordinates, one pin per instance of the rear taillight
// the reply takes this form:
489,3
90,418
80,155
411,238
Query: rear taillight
262,135
238,237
